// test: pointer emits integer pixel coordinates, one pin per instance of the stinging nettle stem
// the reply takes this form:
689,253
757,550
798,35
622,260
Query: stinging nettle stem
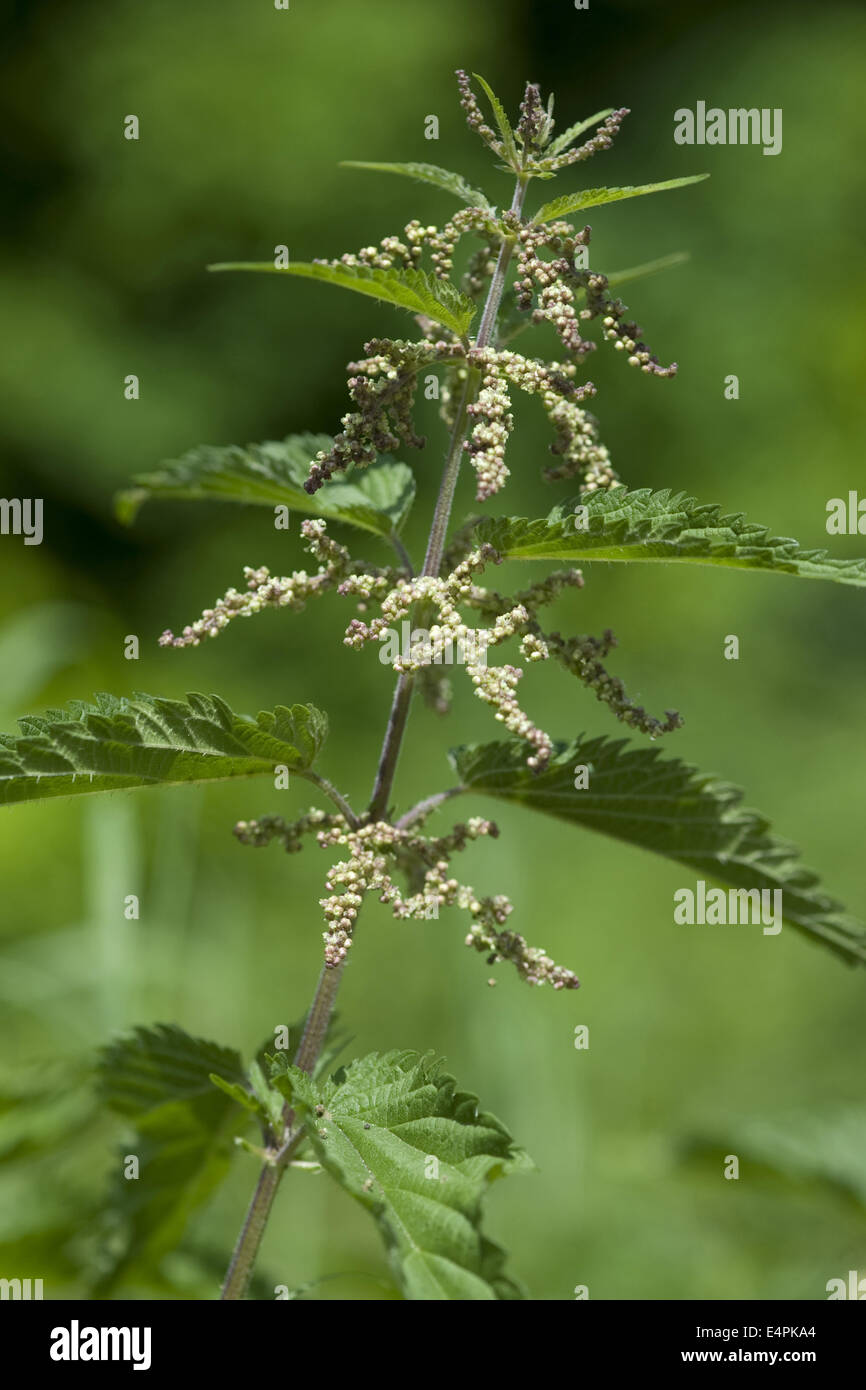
439,526
244,1255
243,1258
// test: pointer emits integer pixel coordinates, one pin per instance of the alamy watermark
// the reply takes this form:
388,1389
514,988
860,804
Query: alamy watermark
854,1288
738,125
846,516
22,516
720,907
77,1343
21,1289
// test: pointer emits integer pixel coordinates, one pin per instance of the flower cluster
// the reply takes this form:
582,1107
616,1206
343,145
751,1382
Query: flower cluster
576,439
474,118
553,284
373,852
289,833
494,422
533,964
478,221
392,253
534,130
551,281
366,870
494,685
265,590
578,446
626,337
602,140
536,122
382,388
581,656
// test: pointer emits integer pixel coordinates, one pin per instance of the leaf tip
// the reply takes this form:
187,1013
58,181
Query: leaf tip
128,503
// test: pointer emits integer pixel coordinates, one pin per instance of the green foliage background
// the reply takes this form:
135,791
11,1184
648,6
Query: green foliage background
695,1035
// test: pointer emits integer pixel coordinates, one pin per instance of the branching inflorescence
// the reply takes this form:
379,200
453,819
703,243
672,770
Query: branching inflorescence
550,285
292,591
371,850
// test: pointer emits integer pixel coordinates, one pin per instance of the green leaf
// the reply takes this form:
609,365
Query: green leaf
43,1109
265,1098
270,1101
666,526
52,1133
376,499
638,272
501,118
240,1094
667,806
281,1064
445,179
159,1066
148,742
827,1147
158,1079
568,136
414,290
385,1118
594,197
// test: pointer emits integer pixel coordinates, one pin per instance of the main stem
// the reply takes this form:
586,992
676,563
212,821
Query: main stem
243,1258
399,715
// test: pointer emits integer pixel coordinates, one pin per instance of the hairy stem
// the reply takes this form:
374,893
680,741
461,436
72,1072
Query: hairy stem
244,1255
445,500
319,1017
241,1266
387,768
247,1248
439,526
423,808
338,799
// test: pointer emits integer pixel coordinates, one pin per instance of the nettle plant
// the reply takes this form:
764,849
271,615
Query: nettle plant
392,1128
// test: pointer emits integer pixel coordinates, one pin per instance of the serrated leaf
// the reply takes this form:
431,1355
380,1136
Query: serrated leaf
594,197
162,1065
265,1099
445,179
414,290
158,1079
667,806
501,118
376,499
147,741
385,1118
660,526
568,136
283,1070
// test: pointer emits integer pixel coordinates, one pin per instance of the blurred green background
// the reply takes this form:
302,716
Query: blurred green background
244,113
